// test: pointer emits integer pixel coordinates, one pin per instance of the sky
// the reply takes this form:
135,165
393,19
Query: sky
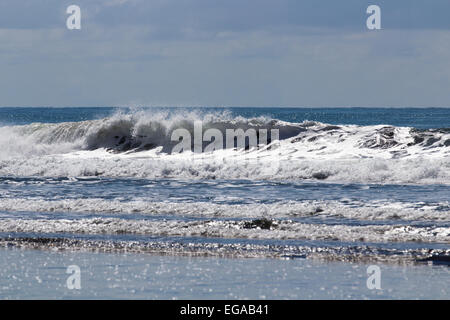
311,53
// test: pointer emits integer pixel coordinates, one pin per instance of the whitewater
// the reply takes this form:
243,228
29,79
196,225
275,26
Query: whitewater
334,184
138,144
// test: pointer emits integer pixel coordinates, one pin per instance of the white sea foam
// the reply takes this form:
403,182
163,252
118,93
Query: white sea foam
283,229
362,210
101,163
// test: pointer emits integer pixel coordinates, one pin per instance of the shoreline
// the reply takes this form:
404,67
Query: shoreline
237,250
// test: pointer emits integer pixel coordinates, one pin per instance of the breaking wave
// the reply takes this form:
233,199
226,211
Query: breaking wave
139,144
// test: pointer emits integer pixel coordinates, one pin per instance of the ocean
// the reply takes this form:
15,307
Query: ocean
335,191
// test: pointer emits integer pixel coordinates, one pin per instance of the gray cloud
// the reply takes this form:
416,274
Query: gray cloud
206,52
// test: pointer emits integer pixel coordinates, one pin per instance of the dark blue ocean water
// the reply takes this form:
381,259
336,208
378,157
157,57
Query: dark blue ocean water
421,118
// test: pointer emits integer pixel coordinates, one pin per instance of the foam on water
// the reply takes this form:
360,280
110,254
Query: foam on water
283,229
360,210
277,229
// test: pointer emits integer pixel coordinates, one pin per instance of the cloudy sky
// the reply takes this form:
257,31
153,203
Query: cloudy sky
224,53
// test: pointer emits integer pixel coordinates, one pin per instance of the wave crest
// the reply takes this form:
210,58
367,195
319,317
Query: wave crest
307,150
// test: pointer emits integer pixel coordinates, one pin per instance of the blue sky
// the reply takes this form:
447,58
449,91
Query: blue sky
224,53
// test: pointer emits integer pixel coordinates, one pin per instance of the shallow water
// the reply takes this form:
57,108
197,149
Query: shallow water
42,275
